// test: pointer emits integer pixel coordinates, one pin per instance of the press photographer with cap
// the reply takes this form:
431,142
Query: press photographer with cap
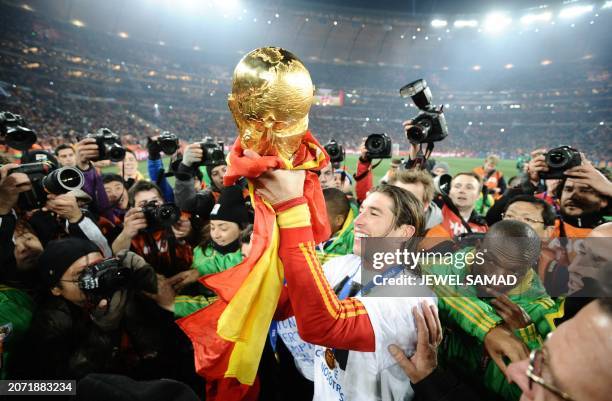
93,317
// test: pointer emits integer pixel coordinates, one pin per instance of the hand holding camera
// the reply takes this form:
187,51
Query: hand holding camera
107,147
587,174
86,151
134,221
11,185
430,124
65,206
167,142
46,179
192,155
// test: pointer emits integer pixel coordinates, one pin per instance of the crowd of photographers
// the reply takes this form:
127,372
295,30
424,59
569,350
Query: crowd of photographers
96,267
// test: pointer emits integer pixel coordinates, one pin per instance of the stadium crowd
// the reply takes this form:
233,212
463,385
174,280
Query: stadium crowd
99,282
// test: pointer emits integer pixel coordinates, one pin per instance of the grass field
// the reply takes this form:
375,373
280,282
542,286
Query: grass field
508,167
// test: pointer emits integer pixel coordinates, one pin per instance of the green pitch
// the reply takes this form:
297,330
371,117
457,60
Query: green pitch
457,164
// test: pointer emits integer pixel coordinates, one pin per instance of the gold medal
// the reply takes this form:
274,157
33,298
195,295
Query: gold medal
330,359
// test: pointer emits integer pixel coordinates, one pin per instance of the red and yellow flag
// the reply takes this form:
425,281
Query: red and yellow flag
229,335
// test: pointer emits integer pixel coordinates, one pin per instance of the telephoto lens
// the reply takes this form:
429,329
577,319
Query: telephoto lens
63,180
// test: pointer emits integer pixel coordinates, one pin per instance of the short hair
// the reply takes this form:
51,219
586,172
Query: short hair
407,208
414,176
469,174
518,237
112,177
141,186
492,159
336,201
548,212
62,147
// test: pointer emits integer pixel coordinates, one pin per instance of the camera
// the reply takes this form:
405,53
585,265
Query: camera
212,153
558,160
102,279
109,145
378,146
168,142
160,217
46,179
335,151
429,125
14,132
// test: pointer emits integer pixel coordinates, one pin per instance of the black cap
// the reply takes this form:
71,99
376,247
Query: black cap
230,206
59,255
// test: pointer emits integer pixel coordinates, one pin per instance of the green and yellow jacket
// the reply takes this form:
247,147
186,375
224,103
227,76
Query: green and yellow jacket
209,260
15,316
339,245
468,318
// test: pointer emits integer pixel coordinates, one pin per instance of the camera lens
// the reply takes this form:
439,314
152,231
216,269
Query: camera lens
168,146
115,152
557,158
418,132
374,143
20,138
63,180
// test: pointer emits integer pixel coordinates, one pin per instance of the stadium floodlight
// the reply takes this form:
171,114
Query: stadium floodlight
509,66
123,35
545,62
541,17
77,23
496,22
439,23
607,4
476,68
575,11
465,23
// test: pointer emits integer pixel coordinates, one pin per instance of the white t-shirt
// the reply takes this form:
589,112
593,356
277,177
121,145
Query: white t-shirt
302,351
369,376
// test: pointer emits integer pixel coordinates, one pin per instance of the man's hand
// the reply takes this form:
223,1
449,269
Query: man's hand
181,228
429,332
514,316
363,152
587,174
11,186
500,342
86,150
153,148
192,154
184,278
277,186
134,222
536,165
65,206
165,293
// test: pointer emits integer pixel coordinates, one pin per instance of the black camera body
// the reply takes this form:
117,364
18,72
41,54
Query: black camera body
160,217
430,124
168,142
102,279
335,151
109,145
559,160
212,153
46,179
14,132
378,146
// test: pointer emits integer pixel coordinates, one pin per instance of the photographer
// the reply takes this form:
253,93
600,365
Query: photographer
128,169
464,191
155,167
198,203
581,194
117,194
111,328
164,248
86,151
66,155
363,177
494,182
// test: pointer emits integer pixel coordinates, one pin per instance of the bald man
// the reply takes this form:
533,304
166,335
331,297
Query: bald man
574,363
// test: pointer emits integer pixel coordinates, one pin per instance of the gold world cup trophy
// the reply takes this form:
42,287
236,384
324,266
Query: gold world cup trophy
271,95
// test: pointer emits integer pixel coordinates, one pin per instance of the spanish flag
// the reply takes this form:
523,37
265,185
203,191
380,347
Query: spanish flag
229,335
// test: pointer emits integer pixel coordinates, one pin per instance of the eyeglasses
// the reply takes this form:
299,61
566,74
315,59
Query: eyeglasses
534,373
519,218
